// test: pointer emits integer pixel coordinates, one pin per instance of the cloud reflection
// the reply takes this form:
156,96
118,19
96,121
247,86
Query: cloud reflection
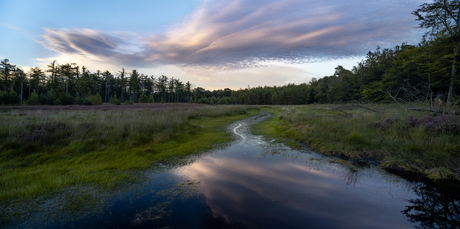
262,192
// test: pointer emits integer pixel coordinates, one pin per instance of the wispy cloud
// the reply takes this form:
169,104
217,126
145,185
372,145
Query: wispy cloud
228,35
116,48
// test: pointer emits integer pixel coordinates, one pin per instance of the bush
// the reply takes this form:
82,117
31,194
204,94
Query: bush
33,100
143,98
42,99
87,102
446,124
48,98
95,99
113,100
78,99
385,123
151,100
57,102
9,98
66,99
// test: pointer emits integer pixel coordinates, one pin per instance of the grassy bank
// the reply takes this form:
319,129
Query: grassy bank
43,151
394,137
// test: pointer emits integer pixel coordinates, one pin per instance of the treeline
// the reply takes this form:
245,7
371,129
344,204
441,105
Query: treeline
424,72
290,94
68,84
64,84
405,73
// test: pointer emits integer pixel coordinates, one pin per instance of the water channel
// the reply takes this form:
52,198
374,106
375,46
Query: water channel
259,183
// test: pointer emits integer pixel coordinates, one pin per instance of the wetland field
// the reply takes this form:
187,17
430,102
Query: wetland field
196,166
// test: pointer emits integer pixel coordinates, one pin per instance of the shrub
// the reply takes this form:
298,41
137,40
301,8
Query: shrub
9,98
95,99
33,100
441,124
143,98
113,100
87,102
78,99
57,102
66,99
47,98
129,101
447,124
151,100
385,123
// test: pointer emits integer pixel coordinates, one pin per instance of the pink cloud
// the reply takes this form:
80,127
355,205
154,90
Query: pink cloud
230,35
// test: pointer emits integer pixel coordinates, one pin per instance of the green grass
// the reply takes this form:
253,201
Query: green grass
351,131
102,149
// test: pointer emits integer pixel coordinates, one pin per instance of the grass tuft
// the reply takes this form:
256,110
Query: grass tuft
354,138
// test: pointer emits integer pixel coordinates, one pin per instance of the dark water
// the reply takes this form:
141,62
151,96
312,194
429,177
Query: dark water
255,183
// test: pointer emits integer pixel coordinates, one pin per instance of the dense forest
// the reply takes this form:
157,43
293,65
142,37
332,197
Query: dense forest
404,73
67,84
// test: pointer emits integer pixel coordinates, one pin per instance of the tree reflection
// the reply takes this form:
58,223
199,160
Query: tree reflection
437,206
351,177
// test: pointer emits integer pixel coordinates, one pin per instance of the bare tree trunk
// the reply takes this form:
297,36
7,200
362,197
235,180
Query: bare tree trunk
452,76
105,93
22,83
454,62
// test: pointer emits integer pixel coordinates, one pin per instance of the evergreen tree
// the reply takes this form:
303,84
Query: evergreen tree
5,72
443,18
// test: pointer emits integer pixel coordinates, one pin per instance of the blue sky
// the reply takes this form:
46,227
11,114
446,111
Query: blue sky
211,43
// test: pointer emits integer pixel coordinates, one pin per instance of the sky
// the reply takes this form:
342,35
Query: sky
213,44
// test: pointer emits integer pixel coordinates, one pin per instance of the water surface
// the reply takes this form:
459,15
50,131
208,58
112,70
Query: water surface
259,183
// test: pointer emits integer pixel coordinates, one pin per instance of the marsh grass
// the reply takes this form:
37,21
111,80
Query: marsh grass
42,152
430,147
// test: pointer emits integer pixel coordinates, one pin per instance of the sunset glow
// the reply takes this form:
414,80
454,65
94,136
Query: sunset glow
205,41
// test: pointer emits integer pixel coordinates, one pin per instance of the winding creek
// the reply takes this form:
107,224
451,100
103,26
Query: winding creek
259,183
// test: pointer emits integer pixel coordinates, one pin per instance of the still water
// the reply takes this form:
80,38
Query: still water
259,183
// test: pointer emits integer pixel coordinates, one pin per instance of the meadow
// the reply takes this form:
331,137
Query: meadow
45,149
389,135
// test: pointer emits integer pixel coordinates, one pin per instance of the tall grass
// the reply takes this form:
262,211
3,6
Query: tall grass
430,147
44,151
84,130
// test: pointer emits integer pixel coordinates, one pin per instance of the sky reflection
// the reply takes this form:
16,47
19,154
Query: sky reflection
250,190
256,184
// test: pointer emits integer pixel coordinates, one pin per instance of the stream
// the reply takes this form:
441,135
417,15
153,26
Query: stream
256,182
